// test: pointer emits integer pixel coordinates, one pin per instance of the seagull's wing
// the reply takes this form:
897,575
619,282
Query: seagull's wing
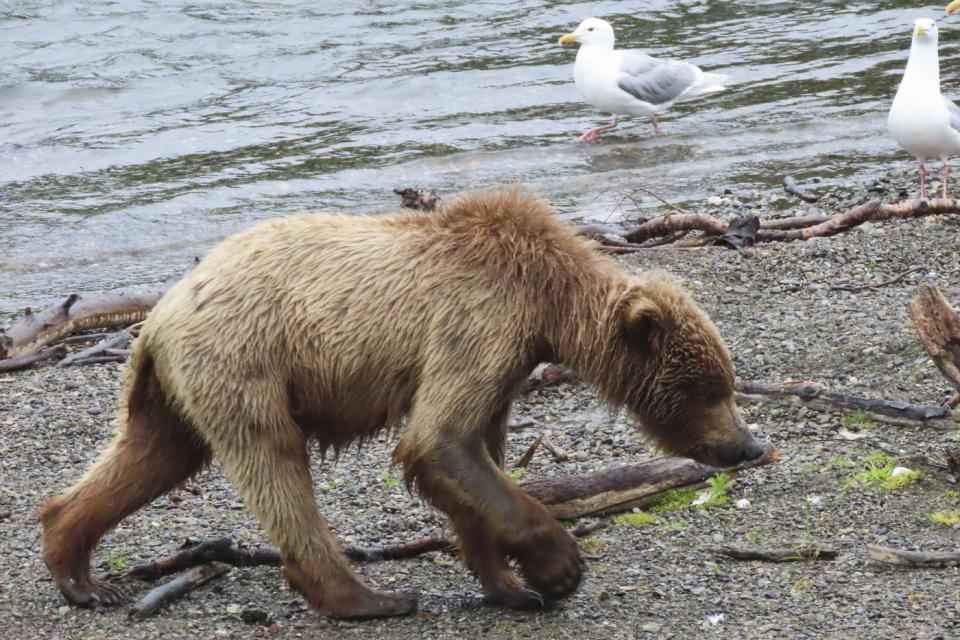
655,81
954,112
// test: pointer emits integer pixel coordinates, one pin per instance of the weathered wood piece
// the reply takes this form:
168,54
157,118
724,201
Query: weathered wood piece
111,342
225,550
23,361
916,559
794,554
938,325
627,486
819,398
176,588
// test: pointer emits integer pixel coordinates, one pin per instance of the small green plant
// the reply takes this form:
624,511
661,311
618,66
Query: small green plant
840,462
946,518
390,482
952,494
718,486
639,519
675,525
115,561
859,419
879,471
592,545
517,474
672,500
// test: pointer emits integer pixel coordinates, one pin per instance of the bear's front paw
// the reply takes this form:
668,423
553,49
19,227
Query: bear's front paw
550,561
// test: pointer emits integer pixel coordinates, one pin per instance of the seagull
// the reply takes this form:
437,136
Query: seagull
922,120
627,82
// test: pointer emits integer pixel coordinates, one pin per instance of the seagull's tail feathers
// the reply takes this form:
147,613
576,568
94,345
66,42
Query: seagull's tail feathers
708,83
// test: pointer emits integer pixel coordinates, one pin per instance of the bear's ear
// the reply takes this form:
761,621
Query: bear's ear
643,323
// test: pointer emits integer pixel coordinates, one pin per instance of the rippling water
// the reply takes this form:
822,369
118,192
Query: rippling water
134,134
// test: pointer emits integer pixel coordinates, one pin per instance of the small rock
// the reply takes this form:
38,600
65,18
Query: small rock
234,609
714,201
253,616
742,503
64,610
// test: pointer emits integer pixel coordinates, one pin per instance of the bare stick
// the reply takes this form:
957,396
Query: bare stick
119,339
558,454
226,551
25,360
777,555
819,398
917,559
528,454
876,285
176,588
654,195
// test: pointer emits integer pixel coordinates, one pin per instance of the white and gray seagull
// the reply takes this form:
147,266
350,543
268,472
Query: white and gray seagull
922,120
628,82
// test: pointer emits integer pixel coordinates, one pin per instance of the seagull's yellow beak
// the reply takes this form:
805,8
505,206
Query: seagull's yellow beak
921,31
571,37
952,7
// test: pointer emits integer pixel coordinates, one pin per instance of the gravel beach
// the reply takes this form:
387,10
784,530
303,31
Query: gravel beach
774,305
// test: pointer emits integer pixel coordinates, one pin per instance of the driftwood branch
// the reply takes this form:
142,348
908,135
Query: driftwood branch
917,559
226,551
791,187
22,362
938,326
112,342
777,555
780,230
819,398
170,591
624,487
816,397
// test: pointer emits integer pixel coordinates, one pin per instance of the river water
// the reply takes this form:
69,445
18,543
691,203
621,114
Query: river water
135,134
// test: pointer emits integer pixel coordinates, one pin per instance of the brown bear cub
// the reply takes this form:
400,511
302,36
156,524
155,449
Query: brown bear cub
331,328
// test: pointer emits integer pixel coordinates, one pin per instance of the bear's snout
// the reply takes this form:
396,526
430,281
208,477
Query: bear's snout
731,454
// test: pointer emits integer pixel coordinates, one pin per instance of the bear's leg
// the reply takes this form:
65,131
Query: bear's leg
272,475
448,452
151,455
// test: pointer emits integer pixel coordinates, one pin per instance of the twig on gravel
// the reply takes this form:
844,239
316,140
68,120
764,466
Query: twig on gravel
917,559
776,555
876,285
176,588
528,454
224,550
559,455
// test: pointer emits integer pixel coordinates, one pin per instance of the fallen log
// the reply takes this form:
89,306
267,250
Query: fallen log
38,329
23,361
916,559
938,326
627,486
170,591
776,555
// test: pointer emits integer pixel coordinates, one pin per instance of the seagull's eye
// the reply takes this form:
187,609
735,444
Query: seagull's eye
590,29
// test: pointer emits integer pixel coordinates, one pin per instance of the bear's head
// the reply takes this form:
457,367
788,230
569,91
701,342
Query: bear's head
678,377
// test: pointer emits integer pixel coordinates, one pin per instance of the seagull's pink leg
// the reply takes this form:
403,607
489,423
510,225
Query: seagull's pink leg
923,181
591,135
945,172
656,126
